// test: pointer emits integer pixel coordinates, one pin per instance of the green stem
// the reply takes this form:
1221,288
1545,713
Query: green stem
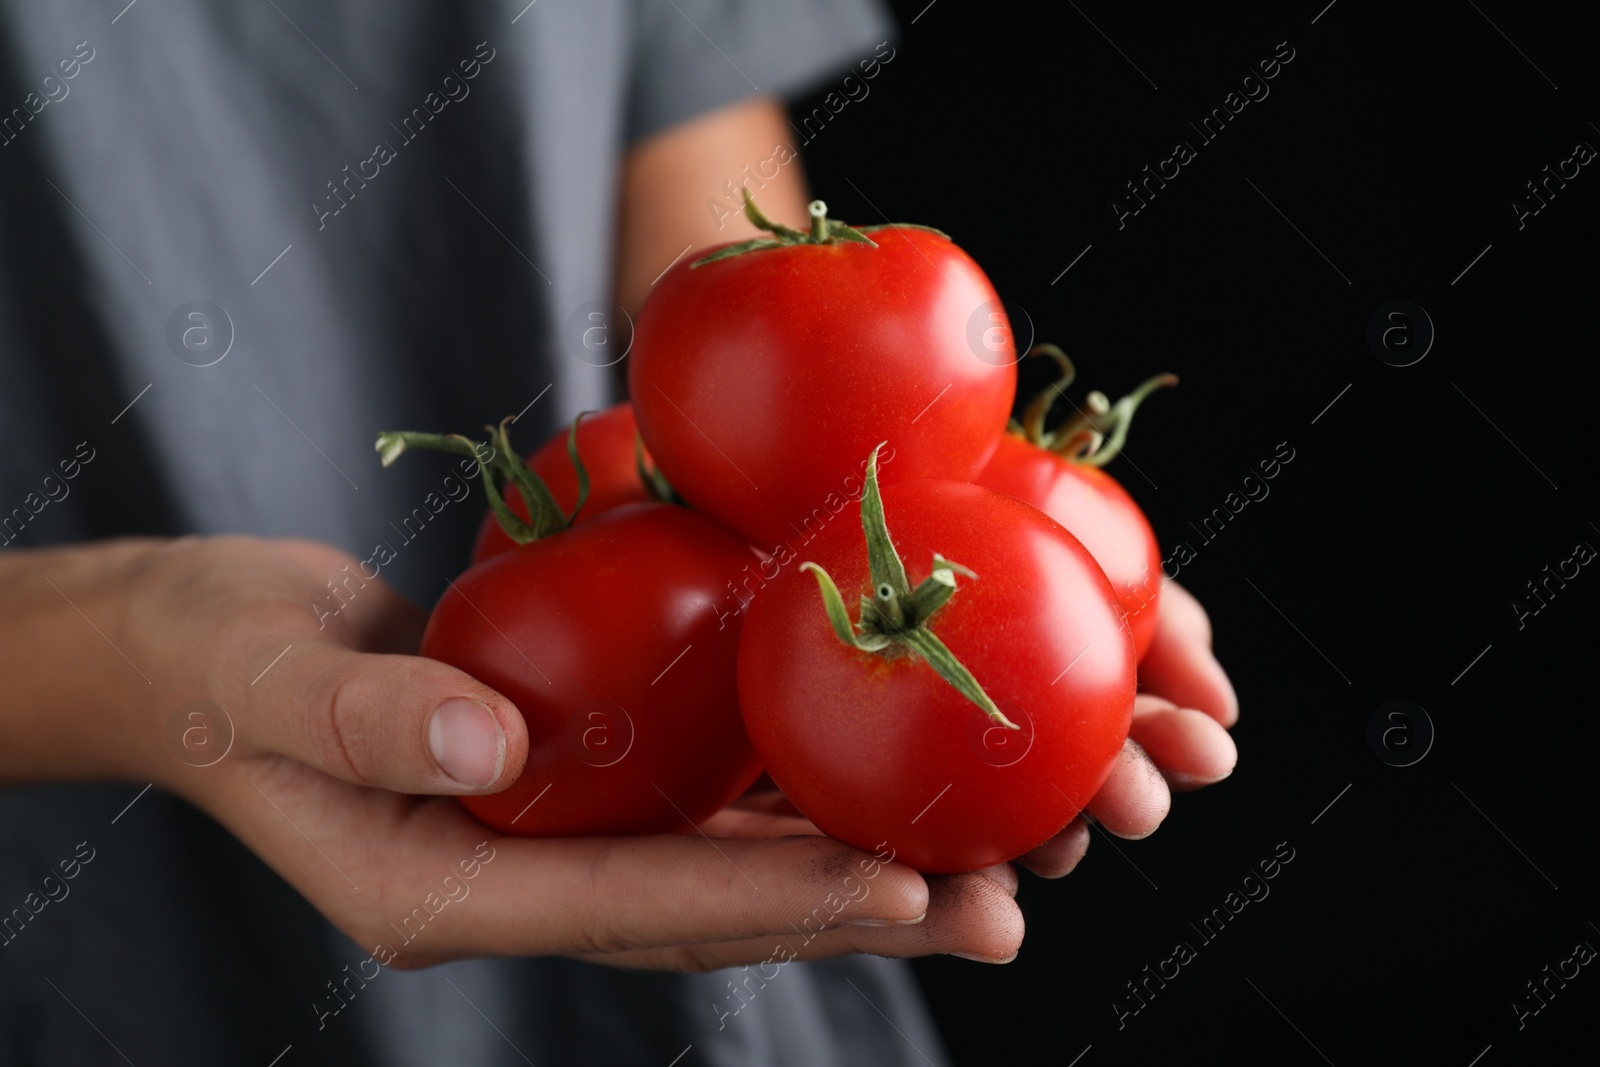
832,603
1096,433
894,620
822,231
578,469
392,445
886,606
1033,419
883,560
1121,417
761,222
941,659
655,483
819,221
1083,432
499,465
545,516
937,588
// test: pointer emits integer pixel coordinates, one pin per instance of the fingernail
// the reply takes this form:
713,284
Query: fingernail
982,959
886,922
1195,781
1225,684
467,742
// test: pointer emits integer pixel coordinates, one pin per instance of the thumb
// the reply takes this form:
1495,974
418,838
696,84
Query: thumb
403,723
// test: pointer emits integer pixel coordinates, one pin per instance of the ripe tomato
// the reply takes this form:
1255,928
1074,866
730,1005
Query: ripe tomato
1072,489
761,379
1099,512
607,639
606,444
881,749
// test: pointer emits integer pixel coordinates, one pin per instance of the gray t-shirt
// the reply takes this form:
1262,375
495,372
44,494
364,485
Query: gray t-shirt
239,239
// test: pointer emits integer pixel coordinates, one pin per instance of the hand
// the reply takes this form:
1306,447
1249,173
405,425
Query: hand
1171,746
332,734
1178,740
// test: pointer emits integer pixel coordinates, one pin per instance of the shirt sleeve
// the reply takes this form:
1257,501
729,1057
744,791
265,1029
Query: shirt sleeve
694,56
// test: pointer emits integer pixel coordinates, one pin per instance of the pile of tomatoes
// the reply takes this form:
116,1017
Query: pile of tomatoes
813,544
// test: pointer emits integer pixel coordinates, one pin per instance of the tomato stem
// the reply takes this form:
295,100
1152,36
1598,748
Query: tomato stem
823,230
499,465
894,620
819,221
1033,418
1096,433
650,476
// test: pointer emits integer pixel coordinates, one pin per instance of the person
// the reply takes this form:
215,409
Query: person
241,240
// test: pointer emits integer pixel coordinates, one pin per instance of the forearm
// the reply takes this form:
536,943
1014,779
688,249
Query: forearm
676,189
69,694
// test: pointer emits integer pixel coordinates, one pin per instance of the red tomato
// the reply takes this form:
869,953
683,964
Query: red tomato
1099,512
760,380
882,750
1058,472
606,446
608,639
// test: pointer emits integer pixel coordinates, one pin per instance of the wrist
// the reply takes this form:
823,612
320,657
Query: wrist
76,707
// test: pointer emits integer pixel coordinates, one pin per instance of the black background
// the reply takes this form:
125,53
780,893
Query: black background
1391,548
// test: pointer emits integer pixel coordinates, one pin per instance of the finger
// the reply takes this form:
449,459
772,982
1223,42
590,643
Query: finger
402,723
1134,798
368,858
740,820
969,915
372,861
1003,875
1186,613
1189,747
1058,856
769,799
736,820
623,894
1179,665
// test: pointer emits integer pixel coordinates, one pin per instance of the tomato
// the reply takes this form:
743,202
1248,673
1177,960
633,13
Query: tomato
760,379
881,749
606,443
1099,512
1072,489
607,638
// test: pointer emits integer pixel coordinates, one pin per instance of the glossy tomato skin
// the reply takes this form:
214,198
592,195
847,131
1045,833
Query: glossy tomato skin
605,444
582,631
761,380
1099,512
866,746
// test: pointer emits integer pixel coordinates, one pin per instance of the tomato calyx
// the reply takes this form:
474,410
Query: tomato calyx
650,476
500,467
823,231
893,621
1095,435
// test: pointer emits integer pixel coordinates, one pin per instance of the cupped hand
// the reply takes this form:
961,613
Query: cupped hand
1178,741
346,748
